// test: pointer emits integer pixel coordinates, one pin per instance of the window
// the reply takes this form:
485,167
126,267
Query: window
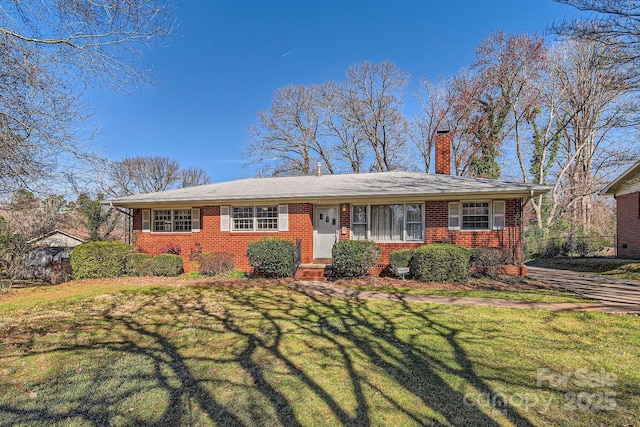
267,218
415,229
182,220
477,215
171,220
250,218
243,218
162,220
381,223
359,223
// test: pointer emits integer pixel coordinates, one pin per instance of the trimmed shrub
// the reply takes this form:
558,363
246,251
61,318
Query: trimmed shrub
166,265
400,259
440,262
138,264
99,259
354,258
271,258
491,259
215,263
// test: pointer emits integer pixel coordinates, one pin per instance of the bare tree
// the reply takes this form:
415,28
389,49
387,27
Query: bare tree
348,142
615,24
287,139
575,132
47,50
193,176
136,175
434,116
596,105
354,125
373,104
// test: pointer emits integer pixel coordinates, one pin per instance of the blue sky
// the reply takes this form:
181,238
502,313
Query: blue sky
226,59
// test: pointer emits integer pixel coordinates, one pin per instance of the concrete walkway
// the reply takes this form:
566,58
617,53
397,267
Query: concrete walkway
621,294
329,289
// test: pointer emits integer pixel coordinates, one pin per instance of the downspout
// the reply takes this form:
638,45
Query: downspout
521,224
128,225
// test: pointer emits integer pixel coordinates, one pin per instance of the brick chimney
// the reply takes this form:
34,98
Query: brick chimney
443,152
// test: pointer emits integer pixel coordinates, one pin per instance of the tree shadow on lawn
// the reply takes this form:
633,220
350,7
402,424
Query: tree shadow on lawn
279,346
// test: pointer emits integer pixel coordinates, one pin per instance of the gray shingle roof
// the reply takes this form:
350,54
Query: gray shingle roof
336,187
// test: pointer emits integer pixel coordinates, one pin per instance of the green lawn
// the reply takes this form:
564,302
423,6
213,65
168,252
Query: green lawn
540,295
618,268
125,354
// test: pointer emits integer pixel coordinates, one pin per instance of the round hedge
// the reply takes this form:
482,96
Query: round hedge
271,258
354,258
440,262
167,265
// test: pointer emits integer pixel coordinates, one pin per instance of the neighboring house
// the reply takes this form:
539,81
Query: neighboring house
626,190
58,238
394,209
49,260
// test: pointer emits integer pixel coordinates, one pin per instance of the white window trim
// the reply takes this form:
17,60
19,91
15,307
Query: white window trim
282,219
492,215
150,226
404,222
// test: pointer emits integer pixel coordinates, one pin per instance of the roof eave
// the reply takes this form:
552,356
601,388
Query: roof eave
612,188
320,199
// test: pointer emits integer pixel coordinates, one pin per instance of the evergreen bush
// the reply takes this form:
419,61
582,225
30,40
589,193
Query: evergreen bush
440,262
271,258
167,265
138,264
400,259
99,260
354,258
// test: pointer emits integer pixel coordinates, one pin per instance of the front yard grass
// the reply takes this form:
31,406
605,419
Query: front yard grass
538,295
609,267
164,352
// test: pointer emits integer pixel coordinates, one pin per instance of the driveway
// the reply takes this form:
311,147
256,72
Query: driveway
614,293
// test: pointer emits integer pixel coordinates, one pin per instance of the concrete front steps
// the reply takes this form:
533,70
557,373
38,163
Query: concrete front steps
317,271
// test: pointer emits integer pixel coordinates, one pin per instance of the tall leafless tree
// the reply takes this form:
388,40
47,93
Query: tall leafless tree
287,140
137,175
613,24
356,125
49,50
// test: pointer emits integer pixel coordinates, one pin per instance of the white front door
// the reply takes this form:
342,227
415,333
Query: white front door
327,225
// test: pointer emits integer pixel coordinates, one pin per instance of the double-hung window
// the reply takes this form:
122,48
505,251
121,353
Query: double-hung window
388,223
171,220
477,215
252,218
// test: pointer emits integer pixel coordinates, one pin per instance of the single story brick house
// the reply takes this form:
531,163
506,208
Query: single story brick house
394,209
626,190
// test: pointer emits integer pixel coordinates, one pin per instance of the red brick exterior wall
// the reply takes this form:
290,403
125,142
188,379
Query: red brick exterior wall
437,229
211,239
628,225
